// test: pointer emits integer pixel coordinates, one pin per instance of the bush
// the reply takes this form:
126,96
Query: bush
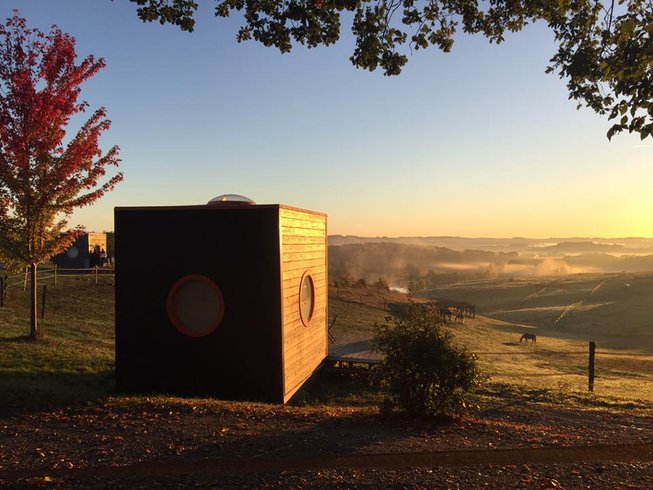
346,280
425,373
382,284
361,283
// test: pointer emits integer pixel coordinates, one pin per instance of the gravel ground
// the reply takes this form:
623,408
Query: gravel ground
180,443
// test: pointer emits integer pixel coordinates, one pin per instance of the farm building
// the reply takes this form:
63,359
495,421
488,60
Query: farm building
79,255
228,299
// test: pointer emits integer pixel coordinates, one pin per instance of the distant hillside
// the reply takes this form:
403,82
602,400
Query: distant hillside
421,266
584,247
628,245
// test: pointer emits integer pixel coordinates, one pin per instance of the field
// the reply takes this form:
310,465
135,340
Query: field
614,310
533,425
73,359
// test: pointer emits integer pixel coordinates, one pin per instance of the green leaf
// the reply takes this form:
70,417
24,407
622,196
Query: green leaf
627,26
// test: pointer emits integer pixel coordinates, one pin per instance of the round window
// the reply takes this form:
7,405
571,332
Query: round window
195,305
73,252
306,298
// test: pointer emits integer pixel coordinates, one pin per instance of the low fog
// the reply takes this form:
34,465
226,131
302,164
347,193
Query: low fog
423,262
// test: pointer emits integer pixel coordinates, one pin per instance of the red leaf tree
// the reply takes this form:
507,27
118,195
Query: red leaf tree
45,175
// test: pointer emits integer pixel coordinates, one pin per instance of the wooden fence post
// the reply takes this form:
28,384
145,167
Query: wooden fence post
25,280
591,366
55,274
45,292
96,271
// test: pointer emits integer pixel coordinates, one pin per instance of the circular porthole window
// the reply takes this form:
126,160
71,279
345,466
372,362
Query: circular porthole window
72,252
195,305
306,298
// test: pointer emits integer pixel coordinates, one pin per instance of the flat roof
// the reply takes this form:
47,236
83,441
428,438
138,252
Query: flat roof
216,207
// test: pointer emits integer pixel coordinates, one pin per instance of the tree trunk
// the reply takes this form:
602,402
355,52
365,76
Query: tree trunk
33,329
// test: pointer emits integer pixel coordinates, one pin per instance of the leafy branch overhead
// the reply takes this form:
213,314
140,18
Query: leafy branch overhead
605,48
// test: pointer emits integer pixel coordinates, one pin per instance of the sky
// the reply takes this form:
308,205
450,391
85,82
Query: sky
479,142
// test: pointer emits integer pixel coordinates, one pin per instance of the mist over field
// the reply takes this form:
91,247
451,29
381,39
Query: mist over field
419,262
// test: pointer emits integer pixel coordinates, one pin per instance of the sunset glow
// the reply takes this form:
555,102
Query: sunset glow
479,142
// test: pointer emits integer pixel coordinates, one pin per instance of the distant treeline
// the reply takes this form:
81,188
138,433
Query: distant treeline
420,266
582,247
397,261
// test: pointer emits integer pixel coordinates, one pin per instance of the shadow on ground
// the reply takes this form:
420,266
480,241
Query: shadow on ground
24,392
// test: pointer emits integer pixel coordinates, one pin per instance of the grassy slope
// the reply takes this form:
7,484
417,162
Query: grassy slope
74,360
615,310
554,367
554,363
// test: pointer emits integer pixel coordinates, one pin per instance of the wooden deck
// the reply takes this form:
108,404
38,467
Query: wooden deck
349,350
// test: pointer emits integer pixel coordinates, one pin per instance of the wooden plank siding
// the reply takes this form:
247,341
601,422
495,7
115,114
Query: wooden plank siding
304,240
292,284
296,274
303,236
292,294
303,266
292,316
306,232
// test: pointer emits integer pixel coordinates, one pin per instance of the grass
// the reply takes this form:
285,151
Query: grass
354,318
558,362
342,388
73,361
614,310
555,364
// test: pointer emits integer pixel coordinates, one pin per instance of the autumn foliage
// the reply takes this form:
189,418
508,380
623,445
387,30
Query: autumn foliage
44,173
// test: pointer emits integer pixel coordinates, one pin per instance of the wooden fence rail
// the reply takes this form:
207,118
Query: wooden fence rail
55,273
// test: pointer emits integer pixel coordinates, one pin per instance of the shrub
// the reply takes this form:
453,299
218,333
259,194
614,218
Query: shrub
361,283
346,280
382,284
424,371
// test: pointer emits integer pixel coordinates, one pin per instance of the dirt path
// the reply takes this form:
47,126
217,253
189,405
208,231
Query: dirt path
573,306
624,453
544,288
567,310
597,287
171,443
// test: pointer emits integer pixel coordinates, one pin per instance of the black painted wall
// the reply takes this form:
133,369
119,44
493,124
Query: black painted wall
238,248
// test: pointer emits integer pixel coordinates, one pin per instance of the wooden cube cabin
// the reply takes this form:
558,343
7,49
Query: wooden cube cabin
228,301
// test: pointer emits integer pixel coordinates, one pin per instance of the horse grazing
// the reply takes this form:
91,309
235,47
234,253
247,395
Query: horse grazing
445,314
529,336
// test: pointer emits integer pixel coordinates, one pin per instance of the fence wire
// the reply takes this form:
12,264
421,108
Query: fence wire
21,279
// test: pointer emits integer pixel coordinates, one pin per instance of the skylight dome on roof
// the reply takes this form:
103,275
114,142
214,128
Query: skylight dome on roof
227,199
